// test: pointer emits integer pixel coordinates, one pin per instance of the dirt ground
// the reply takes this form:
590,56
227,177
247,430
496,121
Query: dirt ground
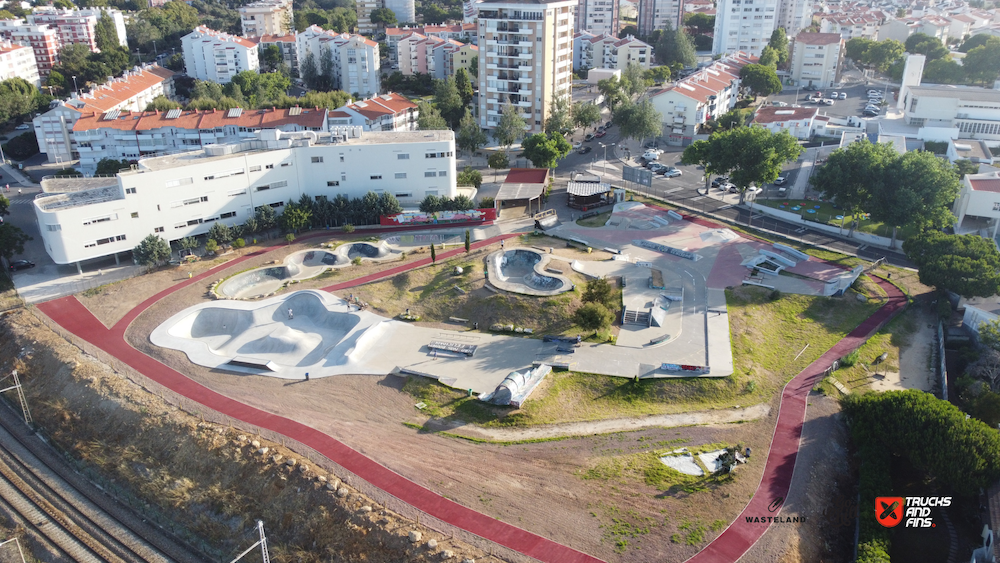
915,369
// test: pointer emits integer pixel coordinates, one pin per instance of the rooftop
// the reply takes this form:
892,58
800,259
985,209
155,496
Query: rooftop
527,176
818,38
962,92
989,182
973,150
207,119
771,114
81,197
119,90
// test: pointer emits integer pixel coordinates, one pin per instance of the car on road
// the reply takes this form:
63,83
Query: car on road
779,181
874,93
671,173
826,102
22,127
869,113
818,94
731,188
843,95
585,150
651,155
720,181
656,167
577,145
589,137
21,265
834,95
753,190
778,104
600,133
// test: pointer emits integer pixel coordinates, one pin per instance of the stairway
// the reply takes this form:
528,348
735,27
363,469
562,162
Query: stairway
635,317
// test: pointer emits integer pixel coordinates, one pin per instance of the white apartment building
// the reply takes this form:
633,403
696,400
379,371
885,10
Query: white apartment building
605,51
388,112
744,26
270,17
657,14
217,57
18,61
798,122
850,27
794,15
963,112
817,59
181,195
133,91
44,42
706,94
526,58
597,16
902,29
124,135
977,207
365,9
404,10
356,59
78,25
286,46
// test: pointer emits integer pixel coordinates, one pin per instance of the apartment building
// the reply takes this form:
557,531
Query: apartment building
286,46
464,33
405,10
605,51
365,9
78,25
794,15
356,59
597,16
182,195
965,112
850,27
133,91
705,95
902,29
526,58
217,57
43,40
817,59
744,26
388,112
440,58
270,17
657,14
18,61
132,135
977,207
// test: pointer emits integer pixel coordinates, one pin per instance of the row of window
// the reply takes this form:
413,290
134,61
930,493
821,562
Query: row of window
104,241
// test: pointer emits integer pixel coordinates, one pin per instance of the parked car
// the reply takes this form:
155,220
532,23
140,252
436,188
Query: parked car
782,192
600,133
779,181
650,145
651,155
22,127
874,93
843,95
778,104
827,102
656,167
21,265
589,137
753,190
731,188
577,145
671,173
818,94
869,113
585,149
834,95
720,181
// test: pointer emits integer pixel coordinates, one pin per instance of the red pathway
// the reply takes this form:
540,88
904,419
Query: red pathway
69,313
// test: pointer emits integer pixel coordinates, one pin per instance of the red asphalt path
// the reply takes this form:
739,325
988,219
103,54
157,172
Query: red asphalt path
740,536
729,546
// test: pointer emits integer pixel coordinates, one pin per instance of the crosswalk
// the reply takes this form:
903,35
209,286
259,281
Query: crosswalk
18,198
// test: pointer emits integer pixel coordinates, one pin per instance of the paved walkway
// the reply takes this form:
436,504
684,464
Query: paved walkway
69,313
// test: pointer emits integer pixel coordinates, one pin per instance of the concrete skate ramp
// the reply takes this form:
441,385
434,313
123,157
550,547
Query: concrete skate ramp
300,265
365,250
314,258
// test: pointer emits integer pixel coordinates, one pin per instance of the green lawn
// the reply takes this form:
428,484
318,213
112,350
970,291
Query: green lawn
830,215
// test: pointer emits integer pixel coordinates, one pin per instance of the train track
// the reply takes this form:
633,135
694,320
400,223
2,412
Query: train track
71,513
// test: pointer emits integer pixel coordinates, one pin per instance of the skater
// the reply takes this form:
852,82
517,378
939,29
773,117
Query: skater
501,244
290,315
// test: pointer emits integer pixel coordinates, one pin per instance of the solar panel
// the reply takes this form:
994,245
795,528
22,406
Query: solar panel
174,113
113,114
235,112
295,111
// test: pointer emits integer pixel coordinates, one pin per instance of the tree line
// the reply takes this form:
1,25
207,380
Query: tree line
251,90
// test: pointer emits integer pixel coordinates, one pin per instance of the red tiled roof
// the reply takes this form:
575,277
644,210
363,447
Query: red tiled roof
254,119
386,104
290,38
771,114
985,185
818,38
527,176
103,98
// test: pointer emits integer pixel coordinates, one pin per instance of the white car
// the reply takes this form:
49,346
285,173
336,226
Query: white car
22,127
753,190
834,95
843,95
827,102
672,173
651,155
874,93
577,145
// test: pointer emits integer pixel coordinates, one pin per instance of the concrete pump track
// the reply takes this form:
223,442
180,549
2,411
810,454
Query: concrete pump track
728,547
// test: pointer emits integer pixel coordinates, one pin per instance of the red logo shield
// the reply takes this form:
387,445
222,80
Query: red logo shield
889,510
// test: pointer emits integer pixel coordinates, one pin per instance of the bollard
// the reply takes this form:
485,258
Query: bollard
307,376
470,391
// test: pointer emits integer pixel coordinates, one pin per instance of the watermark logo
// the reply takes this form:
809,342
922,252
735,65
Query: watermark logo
775,504
889,511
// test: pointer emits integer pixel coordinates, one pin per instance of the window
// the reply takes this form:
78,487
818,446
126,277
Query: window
53,228
342,158
130,190
158,230
104,241
262,188
315,159
194,222
135,214
226,174
277,204
996,207
254,168
430,174
332,183
102,219
178,182
442,173
284,164
235,193
404,194
376,177
269,167
227,215
400,175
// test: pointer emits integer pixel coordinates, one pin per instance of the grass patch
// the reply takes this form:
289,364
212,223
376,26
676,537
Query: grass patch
623,528
9,298
598,220
828,214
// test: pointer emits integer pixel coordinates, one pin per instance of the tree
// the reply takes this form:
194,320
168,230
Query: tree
265,217
461,203
545,151
634,80
882,54
968,265
211,247
748,155
761,80
105,33
464,84
383,16
675,47
449,102
779,42
560,119
110,166
468,241
586,114
598,290
470,177
151,251
12,240
989,334
769,57
498,161
919,190
963,167
658,74
295,217
944,71
978,41
430,118
983,63
593,316
613,91
923,44
470,137
855,48
434,258
188,243
511,127
220,233
17,99
638,120
270,57
700,22
4,206
852,175
162,103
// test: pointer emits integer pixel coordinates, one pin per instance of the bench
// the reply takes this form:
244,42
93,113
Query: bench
458,320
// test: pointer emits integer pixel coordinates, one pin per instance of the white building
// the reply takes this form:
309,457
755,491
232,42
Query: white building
217,57
270,17
78,25
388,112
794,15
597,16
961,112
817,59
798,122
286,46
18,61
657,14
977,207
526,58
404,10
706,94
364,9
133,91
462,32
744,25
605,51
181,195
356,59
125,135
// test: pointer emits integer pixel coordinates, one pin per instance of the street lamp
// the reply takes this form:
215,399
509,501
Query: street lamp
75,87
605,168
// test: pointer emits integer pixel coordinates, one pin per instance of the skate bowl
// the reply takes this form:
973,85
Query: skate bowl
283,337
526,271
364,250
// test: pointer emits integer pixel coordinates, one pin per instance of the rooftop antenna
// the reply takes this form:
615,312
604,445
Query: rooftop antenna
262,542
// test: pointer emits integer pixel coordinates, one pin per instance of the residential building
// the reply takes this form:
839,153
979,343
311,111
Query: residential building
977,207
388,112
902,29
270,17
133,91
606,51
18,61
217,57
526,58
78,25
182,195
464,33
705,95
288,48
597,16
657,14
798,122
404,10
794,15
365,9
961,25
744,26
470,11
698,5
962,112
125,135
43,40
355,58
850,27
817,59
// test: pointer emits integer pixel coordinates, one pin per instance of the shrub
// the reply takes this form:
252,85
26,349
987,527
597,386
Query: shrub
599,291
239,243
22,146
593,316
486,203
850,359
348,228
943,307
211,246
289,238
356,261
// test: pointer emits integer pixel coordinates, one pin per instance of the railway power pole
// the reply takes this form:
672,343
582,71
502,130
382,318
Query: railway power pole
262,542
20,397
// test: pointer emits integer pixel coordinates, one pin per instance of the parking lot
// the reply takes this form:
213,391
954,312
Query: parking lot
854,105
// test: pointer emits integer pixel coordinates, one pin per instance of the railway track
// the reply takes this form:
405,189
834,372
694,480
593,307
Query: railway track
71,513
